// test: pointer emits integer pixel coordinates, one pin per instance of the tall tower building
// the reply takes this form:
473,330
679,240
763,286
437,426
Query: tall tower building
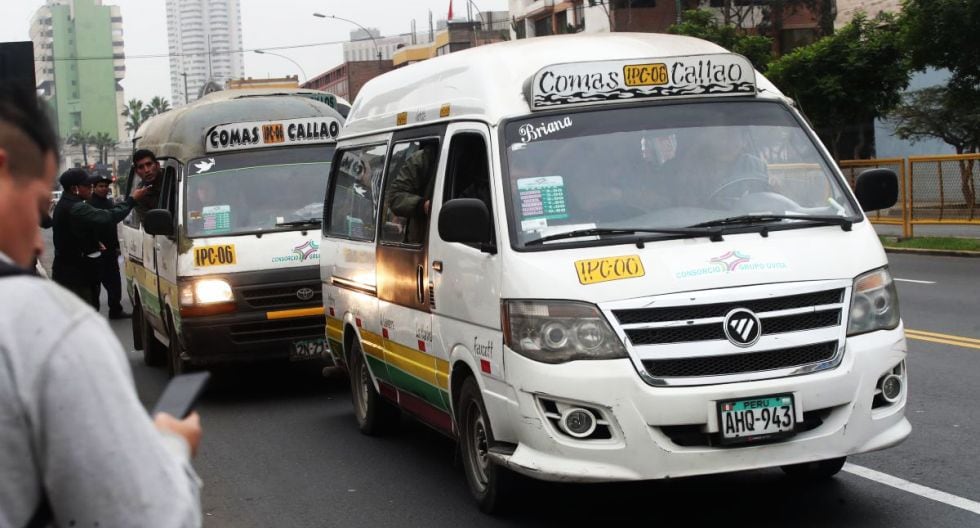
205,45
78,45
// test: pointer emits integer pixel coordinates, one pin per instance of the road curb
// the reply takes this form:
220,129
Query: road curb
933,252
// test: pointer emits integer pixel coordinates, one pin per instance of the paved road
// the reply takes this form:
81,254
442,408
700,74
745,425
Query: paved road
281,449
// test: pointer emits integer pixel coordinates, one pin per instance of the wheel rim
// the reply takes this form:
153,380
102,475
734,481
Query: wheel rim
478,447
361,394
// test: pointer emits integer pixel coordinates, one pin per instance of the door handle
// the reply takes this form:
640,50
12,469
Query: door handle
419,285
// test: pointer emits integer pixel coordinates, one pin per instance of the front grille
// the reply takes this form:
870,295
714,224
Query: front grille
708,332
687,313
740,363
282,296
276,330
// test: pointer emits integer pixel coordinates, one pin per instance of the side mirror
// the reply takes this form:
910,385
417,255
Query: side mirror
465,220
877,189
159,222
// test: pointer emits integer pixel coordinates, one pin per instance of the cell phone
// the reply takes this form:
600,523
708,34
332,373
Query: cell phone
181,394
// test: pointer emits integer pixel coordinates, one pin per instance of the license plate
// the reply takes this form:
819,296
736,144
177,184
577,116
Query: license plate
754,419
307,349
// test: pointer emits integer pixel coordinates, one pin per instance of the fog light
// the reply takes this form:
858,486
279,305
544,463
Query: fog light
578,422
891,388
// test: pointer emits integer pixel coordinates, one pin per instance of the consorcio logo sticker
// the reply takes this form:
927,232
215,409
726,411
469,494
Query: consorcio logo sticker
309,250
732,262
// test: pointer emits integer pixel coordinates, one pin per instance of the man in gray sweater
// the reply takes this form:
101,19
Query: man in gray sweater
76,446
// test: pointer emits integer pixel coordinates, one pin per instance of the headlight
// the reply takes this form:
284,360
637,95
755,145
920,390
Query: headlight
206,291
559,331
874,303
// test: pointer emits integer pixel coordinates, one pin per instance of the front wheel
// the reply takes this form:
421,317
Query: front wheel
374,415
490,484
154,352
819,470
176,364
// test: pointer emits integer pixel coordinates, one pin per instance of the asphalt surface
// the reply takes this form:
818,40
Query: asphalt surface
281,448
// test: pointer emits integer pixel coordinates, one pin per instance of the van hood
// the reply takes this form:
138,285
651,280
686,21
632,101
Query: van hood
284,249
610,273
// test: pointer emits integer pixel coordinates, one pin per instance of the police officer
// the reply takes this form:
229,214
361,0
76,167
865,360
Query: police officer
76,234
109,261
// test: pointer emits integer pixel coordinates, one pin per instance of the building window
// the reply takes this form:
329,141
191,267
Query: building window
795,38
561,20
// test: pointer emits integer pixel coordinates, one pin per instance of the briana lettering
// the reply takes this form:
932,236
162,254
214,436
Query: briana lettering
529,132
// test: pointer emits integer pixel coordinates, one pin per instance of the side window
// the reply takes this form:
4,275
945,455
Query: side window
468,171
169,198
133,219
351,209
408,191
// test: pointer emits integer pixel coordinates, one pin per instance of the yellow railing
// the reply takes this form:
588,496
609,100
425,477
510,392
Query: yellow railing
933,190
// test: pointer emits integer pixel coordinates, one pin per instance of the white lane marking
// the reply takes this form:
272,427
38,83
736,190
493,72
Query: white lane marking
916,281
911,487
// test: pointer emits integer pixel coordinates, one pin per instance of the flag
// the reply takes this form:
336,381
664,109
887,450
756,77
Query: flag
450,17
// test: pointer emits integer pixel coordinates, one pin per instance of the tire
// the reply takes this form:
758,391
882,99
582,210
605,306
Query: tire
175,364
819,470
492,485
374,415
154,353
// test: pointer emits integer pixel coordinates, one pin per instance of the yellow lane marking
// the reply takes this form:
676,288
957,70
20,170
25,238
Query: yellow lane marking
298,312
944,339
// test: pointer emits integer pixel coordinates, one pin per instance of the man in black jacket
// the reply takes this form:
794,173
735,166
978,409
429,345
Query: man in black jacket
76,234
109,261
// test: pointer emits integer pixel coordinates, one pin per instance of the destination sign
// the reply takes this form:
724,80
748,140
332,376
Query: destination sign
581,83
261,134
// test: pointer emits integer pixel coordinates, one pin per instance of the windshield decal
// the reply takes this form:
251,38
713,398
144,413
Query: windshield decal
217,219
542,198
204,165
609,269
530,132
609,81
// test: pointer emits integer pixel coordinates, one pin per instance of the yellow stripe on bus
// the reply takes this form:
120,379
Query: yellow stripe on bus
298,312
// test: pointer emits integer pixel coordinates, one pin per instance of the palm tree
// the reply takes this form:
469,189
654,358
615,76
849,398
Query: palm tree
159,105
135,114
103,142
81,139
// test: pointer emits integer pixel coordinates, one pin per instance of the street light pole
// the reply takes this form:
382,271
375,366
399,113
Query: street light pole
376,47
263,52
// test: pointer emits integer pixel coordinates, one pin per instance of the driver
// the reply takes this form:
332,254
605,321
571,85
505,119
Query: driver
714,163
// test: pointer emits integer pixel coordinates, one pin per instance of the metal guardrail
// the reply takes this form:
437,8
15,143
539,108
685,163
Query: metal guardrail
933,190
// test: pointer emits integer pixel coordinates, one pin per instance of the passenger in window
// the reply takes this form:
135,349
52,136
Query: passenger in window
410,196
148,169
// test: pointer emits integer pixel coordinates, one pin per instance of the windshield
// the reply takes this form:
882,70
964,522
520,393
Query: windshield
669,166
256,191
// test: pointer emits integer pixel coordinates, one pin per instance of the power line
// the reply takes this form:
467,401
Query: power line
168,55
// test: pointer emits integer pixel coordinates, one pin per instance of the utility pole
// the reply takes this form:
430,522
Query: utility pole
185,86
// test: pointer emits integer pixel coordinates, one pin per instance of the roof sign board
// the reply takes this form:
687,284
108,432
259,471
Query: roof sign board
262,134
579,83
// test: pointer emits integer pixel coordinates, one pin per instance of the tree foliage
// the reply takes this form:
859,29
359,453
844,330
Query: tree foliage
701,23
81,139
939,112
158,105
852,76
135,113
943,34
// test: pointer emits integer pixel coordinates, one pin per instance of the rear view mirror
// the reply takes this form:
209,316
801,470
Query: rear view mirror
159,222
877,189
465,220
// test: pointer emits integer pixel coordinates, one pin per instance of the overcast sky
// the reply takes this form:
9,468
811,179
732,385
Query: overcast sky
265,23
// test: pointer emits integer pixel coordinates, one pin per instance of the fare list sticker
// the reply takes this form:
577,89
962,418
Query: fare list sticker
217,219
542,199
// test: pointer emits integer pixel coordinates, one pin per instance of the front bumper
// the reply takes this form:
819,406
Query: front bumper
244,337
651,427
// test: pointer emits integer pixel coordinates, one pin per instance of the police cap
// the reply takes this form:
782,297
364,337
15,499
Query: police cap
73,177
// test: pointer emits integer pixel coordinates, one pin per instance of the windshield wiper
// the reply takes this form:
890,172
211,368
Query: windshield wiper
844,222
713,234
294,223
